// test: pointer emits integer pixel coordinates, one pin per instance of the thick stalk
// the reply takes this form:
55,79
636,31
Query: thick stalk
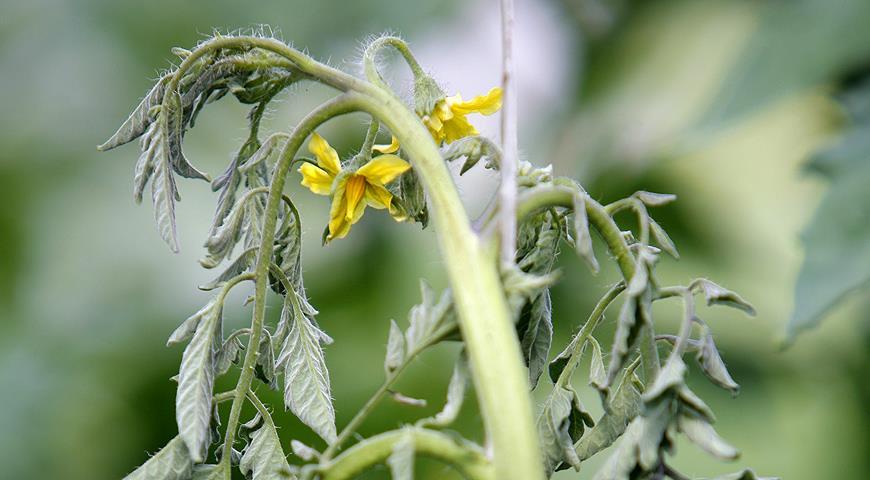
340,105
469,463
493,348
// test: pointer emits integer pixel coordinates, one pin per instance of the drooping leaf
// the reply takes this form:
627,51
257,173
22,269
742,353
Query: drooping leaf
265,368
627,328
455,397
652,199
597,370
561,422
193,400
263,458
306,380
164,192
220,244
473,149
172,462
702,434
140,118
401,460
395,348
837,239
716,295
271,145
240,265
303,451
173,114
713,366
663,239
623,406
209,472
538,336
429,320
188,327
227,355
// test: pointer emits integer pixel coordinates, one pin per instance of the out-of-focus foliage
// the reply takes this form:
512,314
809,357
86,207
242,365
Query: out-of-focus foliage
83,319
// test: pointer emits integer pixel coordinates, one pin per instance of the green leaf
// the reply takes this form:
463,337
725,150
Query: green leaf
196,384
623,406
140,118
272,145
172,462
702,434
716,295
561,423
263,458
306,379
401,460
430,320
395,348
303,451
455,397
837,238
240,265
265,368
188,327
220,243
173,115
663,239
473,149
227,356
597,370
783,56
209,472
538,335
713,366
627,328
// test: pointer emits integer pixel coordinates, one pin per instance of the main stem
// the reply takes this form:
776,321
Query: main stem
489,334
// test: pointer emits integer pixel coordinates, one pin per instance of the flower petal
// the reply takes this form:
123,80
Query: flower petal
484,104
354,192
383,169
327,157
393,147
378,197
456,128
316,179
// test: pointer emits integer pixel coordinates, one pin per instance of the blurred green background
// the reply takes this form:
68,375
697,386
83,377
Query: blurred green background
720,102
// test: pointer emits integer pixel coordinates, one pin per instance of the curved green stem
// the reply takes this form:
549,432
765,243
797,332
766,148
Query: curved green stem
472,464
340,105
371,53
562,196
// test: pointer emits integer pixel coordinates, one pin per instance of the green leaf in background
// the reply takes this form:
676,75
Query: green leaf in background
538,335
837,239
797,45
172,462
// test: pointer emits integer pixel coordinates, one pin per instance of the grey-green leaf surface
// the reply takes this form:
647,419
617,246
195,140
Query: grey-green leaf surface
188,327
713,366
455,397
538,336
263,458
718,295
395,348
172,462
623,407
193,399
306,380
702,434
210,472
140,118
561,423
837,238
582,238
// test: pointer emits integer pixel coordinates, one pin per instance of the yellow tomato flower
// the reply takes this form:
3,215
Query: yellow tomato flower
351,191
447,122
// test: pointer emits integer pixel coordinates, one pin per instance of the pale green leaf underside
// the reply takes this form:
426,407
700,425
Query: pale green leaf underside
172,462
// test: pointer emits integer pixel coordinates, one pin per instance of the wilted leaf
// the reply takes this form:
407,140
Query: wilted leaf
702,434
209,472
538,335
263,458
561,423
306,380
652,199
455,397
713,366
227,356
623,406
195,385
395,348
265,369
140,118
239,266
430,320
186,329
597,370
662,239
716,295
303,451
582,238
172,462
